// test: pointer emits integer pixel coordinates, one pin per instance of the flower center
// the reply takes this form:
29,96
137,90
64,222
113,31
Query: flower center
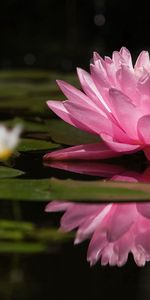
5,154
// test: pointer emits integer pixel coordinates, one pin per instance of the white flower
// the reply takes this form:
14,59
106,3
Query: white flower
8,140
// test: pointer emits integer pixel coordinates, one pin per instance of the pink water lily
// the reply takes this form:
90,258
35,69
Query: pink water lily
114,104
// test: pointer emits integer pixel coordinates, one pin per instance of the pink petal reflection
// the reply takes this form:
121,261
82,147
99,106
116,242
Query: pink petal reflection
114,230
88,168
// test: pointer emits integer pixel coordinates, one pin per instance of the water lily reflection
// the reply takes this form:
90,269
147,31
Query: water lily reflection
114,229
111,171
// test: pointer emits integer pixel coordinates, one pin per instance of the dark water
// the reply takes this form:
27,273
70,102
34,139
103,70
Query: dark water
64,273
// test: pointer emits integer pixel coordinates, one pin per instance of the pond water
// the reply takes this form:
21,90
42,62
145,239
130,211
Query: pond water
38,261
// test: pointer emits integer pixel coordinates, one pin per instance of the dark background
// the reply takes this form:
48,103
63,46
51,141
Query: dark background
60,34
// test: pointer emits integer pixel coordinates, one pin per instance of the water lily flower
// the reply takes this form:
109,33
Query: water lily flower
8,140
114,230
113,104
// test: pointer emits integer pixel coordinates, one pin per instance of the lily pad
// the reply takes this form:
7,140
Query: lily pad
32,145
99,191
25,189
22,247
72,190
6,172
62,133
22,231
26,92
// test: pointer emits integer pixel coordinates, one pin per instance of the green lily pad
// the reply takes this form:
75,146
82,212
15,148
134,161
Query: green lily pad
25,189
6,172
62,133
72,190
21,231
32,145
15,225
22,247
24,75
98,191
26,99
37,76
27,91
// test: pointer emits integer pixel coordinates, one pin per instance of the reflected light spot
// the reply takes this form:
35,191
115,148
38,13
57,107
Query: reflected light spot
29,59
99,20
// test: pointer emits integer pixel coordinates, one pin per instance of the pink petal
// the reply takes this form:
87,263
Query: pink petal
91,224
59,108
76,215
122,247
87,152
109,256
125,112
124,178
75,95
57,206
144,87
126,55
147,152
144,90
141,250
130,176
106,254
90,120
102,83
144,209
91,90
142,60
111,72
127,81
96,57
119,147
143,127
144,241
98,242
99,75
121,220
116,58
